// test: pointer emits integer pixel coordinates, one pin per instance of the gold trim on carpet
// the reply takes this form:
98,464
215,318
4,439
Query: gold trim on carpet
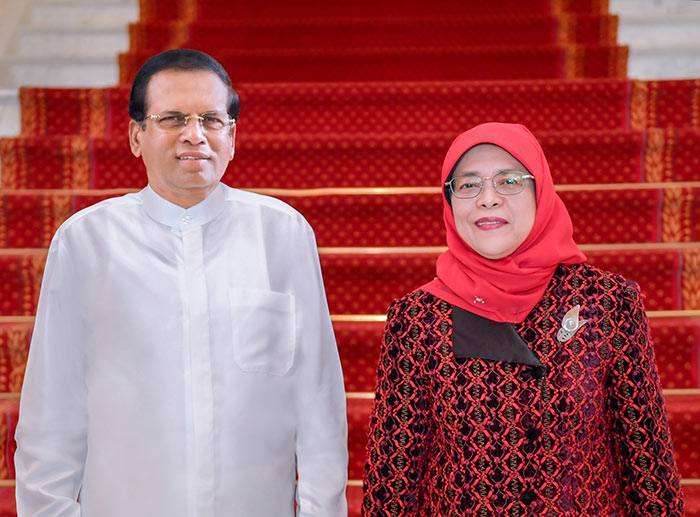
676,215
380,318
368,250
359,191
690,278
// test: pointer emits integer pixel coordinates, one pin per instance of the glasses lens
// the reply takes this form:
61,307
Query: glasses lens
466,186
173,122
212,123
509,182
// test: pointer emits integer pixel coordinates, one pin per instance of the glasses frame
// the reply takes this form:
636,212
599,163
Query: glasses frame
524,176
230,123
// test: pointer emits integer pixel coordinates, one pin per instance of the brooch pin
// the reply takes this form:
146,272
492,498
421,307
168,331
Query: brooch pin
570,325
478,299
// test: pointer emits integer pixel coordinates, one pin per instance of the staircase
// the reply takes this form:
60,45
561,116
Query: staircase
68,43
346,115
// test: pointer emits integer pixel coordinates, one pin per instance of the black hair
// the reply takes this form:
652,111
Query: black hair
445,188
177,59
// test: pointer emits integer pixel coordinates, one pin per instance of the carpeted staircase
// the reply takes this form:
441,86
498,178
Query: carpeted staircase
347,111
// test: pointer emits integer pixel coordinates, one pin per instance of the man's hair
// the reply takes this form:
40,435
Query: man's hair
177,59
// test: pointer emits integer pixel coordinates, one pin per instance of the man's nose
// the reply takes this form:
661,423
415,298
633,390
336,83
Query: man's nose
193,131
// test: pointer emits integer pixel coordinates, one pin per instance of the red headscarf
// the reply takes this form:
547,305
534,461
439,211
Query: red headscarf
506,289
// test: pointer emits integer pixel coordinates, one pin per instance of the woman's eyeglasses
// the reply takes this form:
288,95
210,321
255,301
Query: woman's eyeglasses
505,182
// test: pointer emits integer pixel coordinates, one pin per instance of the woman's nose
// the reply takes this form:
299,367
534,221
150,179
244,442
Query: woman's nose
488,197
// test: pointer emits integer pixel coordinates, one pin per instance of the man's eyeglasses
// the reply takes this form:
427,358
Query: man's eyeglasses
174,122
505,182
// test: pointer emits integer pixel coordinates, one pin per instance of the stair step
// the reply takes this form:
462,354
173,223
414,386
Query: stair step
63,71
393,108
602,214
341,108
346,33
366,280
676,344
361,160
653,31
88,42
679,62
167,9
411,63
9,114
84,13
659,8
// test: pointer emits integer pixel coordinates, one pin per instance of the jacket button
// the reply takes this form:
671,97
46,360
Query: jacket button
527,496
533,434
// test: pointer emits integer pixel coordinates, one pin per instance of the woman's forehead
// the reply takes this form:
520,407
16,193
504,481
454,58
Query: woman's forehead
487,158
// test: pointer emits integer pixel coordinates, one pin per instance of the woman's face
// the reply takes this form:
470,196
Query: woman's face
493,224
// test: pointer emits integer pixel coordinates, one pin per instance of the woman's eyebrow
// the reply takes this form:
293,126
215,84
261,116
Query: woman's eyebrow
479,173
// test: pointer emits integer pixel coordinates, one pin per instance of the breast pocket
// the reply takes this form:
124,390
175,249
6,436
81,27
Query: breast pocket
263,330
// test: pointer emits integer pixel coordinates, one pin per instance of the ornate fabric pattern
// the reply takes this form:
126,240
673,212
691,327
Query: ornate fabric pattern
586,434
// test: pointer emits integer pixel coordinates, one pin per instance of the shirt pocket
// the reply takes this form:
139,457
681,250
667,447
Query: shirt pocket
263,330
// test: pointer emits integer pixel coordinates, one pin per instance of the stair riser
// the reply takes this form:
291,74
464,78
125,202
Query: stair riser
98,14
366,284
57,72
599,217
63,44
351,109
616,157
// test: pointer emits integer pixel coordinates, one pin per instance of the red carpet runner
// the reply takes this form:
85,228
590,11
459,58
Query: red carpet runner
346,114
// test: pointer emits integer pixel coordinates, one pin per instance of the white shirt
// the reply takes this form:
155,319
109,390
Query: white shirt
183,364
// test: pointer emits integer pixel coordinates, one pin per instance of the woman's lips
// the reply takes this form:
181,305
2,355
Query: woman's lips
490,223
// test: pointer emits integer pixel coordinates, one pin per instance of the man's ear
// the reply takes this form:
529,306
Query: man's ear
233,143
134,136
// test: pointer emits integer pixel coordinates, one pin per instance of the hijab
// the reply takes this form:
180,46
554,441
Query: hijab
505,289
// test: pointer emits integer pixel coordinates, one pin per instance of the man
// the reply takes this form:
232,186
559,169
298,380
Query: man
183,362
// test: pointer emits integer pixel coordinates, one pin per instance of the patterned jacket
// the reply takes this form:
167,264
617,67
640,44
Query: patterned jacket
585,434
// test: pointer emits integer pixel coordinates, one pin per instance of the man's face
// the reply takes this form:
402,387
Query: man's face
184,166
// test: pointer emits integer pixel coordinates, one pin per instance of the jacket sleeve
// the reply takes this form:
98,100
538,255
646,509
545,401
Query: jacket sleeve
648,472
51,434
399,427
321,439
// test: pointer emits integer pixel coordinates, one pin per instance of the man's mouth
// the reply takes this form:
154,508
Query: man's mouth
195,156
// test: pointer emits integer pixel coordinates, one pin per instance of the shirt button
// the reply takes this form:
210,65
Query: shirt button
527,496
186,219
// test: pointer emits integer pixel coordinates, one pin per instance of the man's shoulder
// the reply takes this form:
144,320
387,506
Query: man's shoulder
273,206
101,210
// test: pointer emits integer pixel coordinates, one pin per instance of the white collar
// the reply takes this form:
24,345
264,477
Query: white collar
179,218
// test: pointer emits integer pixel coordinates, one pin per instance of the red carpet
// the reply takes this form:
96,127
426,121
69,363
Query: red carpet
349,95
620,214
390,108
313,161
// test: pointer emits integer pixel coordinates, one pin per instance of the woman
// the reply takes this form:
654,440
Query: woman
521,381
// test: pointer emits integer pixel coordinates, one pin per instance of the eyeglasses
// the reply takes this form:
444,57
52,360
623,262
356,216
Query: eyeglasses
174,121
505,182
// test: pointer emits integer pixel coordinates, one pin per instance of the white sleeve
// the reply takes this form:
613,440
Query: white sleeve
51,433
321,443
